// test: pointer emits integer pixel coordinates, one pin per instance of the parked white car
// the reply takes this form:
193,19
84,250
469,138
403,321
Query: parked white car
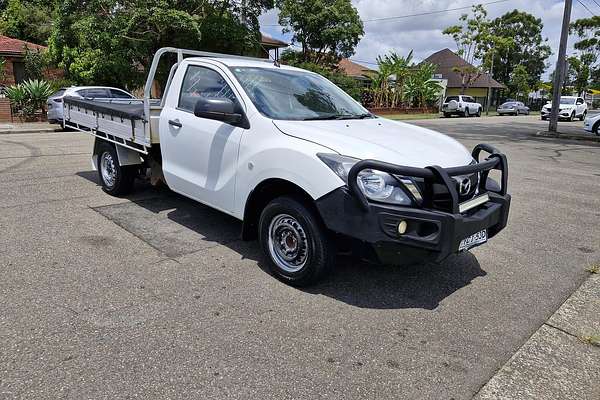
461,105
301,163
592,124
570,107
54,102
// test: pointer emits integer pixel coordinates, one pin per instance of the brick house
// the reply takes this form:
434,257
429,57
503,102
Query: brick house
13,51
359,72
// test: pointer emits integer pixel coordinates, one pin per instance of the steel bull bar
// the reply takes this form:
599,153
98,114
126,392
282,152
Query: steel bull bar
438,175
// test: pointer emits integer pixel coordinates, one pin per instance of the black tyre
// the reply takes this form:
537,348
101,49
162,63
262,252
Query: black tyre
466,113
115,179
596,129
295,242
582,117
572,117
478,112
447,115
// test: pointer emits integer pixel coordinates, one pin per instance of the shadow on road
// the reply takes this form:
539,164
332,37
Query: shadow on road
178,226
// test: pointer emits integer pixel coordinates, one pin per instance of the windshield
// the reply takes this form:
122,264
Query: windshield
567,100
296,95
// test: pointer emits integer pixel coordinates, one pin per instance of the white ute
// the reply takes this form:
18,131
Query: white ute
306,168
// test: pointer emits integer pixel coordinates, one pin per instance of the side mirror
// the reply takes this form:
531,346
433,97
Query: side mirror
218,108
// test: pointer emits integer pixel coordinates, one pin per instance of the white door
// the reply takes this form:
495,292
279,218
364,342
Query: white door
199,154
580,106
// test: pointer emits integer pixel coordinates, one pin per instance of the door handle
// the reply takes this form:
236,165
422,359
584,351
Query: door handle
175,123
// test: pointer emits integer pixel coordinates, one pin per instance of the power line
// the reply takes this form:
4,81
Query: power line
596,3
422,13
584,6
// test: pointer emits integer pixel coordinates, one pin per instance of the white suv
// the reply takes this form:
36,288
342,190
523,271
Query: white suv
570,107
461,105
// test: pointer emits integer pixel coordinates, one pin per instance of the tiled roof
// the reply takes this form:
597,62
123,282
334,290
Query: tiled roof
15,46
446,60
351,68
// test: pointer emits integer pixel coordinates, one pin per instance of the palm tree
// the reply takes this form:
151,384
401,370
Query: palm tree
388,84
420,87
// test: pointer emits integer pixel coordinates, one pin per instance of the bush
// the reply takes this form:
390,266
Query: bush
29,97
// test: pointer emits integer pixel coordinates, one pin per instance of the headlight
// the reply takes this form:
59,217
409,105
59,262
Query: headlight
375,185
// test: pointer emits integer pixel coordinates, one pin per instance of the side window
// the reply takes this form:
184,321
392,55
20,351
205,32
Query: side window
202,82
95,93
119,94
579,100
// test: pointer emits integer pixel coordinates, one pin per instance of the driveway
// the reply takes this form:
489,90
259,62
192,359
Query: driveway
154,296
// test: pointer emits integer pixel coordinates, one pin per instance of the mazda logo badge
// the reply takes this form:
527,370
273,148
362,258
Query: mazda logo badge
464,187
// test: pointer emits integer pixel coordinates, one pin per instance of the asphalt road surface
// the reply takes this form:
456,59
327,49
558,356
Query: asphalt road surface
154,296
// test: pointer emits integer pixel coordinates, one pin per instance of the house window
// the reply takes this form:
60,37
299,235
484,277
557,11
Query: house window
19,71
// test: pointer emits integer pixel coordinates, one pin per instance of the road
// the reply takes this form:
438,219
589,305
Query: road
154,296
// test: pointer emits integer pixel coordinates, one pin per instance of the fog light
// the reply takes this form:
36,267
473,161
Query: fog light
402,226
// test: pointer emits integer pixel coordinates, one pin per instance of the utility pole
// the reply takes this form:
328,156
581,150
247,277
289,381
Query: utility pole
489,93
561,65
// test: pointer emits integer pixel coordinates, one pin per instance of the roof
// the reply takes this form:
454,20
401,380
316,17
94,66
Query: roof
446,60
11,46
353,69
269,41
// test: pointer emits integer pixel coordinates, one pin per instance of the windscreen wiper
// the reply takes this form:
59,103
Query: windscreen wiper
338,117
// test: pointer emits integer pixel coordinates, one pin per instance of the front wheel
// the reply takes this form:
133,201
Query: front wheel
582,117
572,117
116,180
295,242
467,115
478,112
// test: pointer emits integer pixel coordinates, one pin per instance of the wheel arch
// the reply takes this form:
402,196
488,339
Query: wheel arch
262,194
125,156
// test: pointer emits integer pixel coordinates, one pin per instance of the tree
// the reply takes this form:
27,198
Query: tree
583,67
520,81
420,87
113,42
468,36
27,20
528,47
395,69
579,71
326,29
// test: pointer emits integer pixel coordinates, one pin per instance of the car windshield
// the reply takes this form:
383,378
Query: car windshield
511,104
567,100
450,98
297,95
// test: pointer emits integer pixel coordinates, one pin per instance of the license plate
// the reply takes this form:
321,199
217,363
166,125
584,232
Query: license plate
473,240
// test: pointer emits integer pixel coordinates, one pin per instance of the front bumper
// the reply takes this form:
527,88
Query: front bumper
432,234
562,114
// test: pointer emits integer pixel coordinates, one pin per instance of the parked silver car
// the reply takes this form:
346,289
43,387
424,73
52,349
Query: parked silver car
54,102
513,108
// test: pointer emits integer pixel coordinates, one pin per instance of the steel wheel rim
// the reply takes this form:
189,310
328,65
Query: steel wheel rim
288,243
108,170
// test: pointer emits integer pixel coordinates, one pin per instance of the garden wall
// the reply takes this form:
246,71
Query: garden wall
404,110
5,115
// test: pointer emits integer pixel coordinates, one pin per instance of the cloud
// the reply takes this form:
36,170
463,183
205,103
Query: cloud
423,34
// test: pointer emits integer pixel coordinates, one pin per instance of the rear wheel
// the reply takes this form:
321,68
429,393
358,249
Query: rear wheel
115,179
447,115
596,128
295,242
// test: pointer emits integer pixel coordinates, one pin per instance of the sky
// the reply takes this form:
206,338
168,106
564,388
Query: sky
423,34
